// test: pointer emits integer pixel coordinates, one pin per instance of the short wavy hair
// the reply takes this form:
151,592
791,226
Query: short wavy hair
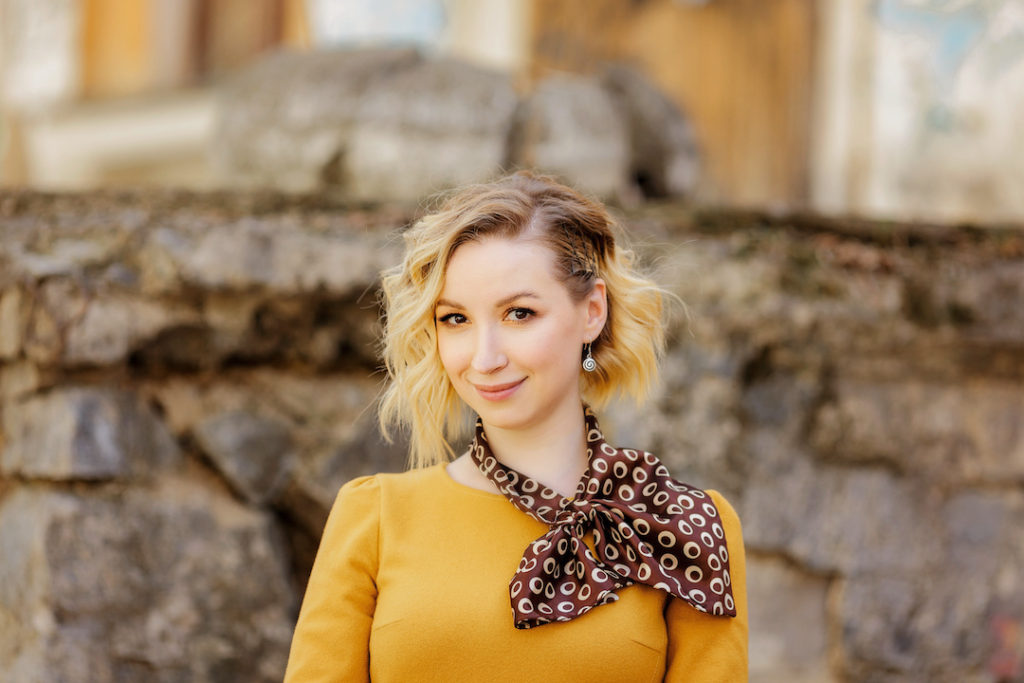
582,235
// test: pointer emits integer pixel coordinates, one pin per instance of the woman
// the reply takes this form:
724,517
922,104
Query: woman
539,552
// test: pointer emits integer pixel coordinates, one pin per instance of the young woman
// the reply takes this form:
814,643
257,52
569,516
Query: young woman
538,551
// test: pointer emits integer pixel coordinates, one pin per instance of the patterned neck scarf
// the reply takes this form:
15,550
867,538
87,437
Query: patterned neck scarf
648,528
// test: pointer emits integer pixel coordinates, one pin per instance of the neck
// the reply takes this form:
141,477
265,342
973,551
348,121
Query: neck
553,453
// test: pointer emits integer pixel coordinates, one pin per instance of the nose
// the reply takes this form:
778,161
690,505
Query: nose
488,355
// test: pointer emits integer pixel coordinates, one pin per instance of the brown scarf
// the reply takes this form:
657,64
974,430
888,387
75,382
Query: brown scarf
648,528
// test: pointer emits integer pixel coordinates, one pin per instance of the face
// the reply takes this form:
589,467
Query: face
509,334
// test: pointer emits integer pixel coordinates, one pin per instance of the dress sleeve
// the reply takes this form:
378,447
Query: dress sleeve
702,647
331,641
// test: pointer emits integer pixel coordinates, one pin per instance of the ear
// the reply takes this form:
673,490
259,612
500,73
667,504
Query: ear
596,304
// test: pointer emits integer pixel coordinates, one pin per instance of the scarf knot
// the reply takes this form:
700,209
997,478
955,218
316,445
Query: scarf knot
578,514
647,528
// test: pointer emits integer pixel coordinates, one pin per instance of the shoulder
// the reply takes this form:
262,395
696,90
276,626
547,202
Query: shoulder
730,526
372,489
730,520
725,509
360,491
365,503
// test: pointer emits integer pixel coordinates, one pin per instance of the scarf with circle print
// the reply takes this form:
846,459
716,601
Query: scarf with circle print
648,528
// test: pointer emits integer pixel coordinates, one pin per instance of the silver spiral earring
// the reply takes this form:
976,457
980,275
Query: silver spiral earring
589,364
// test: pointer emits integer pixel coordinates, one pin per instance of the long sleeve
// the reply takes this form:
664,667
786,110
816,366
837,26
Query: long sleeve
331,641
709,648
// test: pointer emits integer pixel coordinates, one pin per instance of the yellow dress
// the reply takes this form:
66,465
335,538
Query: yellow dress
411,584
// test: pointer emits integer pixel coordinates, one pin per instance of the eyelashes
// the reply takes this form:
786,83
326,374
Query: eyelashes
452,319
520,314
517,314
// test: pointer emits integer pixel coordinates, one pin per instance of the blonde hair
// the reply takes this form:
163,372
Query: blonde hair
581,234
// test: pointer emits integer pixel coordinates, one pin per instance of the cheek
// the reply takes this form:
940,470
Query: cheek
451,353
552,351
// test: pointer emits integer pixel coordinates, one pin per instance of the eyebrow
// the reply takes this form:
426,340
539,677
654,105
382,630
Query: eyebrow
504,302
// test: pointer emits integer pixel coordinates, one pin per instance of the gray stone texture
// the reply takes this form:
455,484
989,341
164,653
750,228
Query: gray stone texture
664,157
437,124
253,453
789,625
395,125
82,433
285,122
186,380
192,290
172,583
371,125
955,433
570,126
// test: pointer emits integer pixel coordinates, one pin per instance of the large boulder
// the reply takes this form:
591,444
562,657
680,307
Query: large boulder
385,124
665,161
438,124
283,122
172,583
570,126
85,433
390,124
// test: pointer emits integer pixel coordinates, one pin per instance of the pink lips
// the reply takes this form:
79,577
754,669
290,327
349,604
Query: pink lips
497,392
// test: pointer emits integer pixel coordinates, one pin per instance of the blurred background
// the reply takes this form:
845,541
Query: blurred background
896,108
197,197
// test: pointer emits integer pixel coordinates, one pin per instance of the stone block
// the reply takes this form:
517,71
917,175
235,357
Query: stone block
13,320
697,436
110,328
84,433
984,299
665,161
284,122
722,290
437,124
789,623
571,127
170,584
250,254
20,378
833,519
324,429
253,453
942,623
70,326
371,125
341,441
954,433
984,533
932,629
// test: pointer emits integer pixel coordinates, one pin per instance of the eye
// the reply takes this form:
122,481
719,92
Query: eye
519,314
452,319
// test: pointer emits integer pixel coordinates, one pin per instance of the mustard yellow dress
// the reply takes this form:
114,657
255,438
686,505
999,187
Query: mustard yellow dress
411,584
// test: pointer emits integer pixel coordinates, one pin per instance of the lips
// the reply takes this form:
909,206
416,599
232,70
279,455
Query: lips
496,392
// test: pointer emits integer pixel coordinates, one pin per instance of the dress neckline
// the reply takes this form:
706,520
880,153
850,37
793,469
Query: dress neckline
465,488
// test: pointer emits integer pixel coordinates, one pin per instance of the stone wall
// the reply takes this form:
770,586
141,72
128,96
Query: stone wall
186,380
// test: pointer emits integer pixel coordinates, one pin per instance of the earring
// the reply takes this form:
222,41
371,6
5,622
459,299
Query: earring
589,364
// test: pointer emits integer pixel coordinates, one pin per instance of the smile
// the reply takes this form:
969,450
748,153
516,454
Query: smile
497,392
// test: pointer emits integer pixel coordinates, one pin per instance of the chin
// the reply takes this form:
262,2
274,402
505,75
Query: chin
504,415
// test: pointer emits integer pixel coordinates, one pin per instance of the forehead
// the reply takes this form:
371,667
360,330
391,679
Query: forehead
493,266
